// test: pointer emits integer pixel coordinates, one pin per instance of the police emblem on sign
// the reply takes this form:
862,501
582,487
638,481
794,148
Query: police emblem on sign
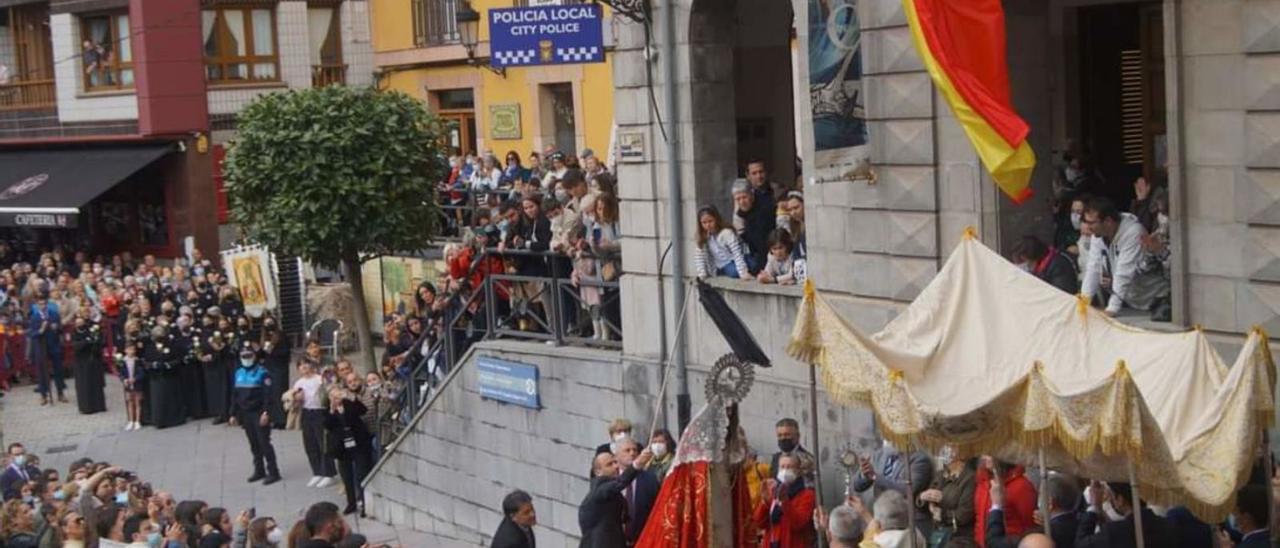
24,186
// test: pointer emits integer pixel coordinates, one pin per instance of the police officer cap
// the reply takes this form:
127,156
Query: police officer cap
213,312
158,332
246,350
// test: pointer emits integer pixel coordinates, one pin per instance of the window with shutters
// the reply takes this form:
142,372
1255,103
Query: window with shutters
435,22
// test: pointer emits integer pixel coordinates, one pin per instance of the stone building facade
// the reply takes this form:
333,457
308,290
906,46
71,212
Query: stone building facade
872,247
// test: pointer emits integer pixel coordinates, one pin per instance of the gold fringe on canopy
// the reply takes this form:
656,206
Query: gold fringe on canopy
989,359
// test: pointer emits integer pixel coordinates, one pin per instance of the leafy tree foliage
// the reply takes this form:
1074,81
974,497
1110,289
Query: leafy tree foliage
338,176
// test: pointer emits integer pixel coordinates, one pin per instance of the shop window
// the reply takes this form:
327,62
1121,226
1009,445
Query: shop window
240,45
105,54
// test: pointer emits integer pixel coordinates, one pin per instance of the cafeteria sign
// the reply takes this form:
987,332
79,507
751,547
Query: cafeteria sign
546,35
508,382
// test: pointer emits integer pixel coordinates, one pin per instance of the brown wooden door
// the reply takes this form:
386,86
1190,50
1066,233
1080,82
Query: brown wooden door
461,135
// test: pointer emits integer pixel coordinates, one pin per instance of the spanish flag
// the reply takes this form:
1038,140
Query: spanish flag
962,44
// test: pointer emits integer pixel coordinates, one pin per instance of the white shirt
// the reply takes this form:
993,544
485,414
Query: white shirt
310,391
1125,255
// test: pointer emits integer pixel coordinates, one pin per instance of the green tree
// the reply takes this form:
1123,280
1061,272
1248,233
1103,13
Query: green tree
338,176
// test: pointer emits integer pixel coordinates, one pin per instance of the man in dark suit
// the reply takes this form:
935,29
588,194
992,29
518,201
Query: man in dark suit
15,472
641,493
1120,534
602,513
1251,516
518,519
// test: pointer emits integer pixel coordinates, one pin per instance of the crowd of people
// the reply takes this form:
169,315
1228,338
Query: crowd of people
556,220
97,505
958,503
765,239
183,347
1117,258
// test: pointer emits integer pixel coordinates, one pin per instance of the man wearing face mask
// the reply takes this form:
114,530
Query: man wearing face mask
619,429
249,408
640,494
788,432
16,472
786,512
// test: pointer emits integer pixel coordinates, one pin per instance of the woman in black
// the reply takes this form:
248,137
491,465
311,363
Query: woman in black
531,233
227,360
212,352
86,342
276,350
349,443
164,391
187,349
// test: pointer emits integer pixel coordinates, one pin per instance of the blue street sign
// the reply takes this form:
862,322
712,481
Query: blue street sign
546,35
509,382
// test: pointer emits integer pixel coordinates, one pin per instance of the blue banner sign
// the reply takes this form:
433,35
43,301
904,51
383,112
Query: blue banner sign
546,35
509,382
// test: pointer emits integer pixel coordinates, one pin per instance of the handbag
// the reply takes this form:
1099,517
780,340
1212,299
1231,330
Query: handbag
940,537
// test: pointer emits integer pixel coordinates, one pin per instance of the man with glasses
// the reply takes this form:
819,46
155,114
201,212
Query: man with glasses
1117,248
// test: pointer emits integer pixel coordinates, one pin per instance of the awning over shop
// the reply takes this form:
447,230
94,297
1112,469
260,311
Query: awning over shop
46,188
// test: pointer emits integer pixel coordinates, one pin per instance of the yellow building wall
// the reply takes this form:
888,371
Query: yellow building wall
592,82
392,22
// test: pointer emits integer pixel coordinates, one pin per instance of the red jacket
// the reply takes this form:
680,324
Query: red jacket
795,529
1019,503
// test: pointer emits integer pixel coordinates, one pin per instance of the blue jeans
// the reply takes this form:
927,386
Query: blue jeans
730,270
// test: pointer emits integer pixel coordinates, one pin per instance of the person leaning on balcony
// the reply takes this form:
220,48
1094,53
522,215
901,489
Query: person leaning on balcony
719,251
753,224
1118,246
1050,264
532,232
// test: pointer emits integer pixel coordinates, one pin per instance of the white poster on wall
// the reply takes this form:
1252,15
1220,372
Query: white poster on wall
832,104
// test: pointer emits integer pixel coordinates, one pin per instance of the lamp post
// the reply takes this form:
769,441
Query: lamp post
468,20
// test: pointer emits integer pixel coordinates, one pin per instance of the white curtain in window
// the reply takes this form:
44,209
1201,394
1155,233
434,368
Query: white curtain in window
207,19
124,52
263,33
235,24
99,31
318,20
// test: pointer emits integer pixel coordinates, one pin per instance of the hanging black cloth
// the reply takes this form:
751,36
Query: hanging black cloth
735,333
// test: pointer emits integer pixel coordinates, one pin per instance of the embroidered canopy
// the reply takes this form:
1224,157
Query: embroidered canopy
990,359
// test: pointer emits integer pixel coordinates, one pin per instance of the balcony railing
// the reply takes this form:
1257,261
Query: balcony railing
434,22
328,75
28,94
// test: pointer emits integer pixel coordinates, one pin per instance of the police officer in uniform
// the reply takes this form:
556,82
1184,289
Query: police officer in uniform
249,408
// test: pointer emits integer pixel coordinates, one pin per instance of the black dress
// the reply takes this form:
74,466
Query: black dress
86,342
164,387
277,363
185,346
352,446
217,389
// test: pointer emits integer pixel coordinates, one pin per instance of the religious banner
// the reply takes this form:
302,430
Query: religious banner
836,94
251,270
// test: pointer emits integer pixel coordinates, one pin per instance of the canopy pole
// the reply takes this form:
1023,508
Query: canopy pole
1044,487
1269,460
911,503
817,464
1137,506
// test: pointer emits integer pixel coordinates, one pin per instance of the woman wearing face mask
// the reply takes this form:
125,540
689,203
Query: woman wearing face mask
86,344
262,532
1047,263
663,447
950,500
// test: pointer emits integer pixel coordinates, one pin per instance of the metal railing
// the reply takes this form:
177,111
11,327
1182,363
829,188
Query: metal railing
508,306
434,22
28,94
328,75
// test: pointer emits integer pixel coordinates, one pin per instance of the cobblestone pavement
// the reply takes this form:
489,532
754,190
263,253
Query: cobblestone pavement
195,461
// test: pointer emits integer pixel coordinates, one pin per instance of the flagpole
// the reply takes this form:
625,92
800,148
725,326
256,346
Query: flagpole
911,503
1044,487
